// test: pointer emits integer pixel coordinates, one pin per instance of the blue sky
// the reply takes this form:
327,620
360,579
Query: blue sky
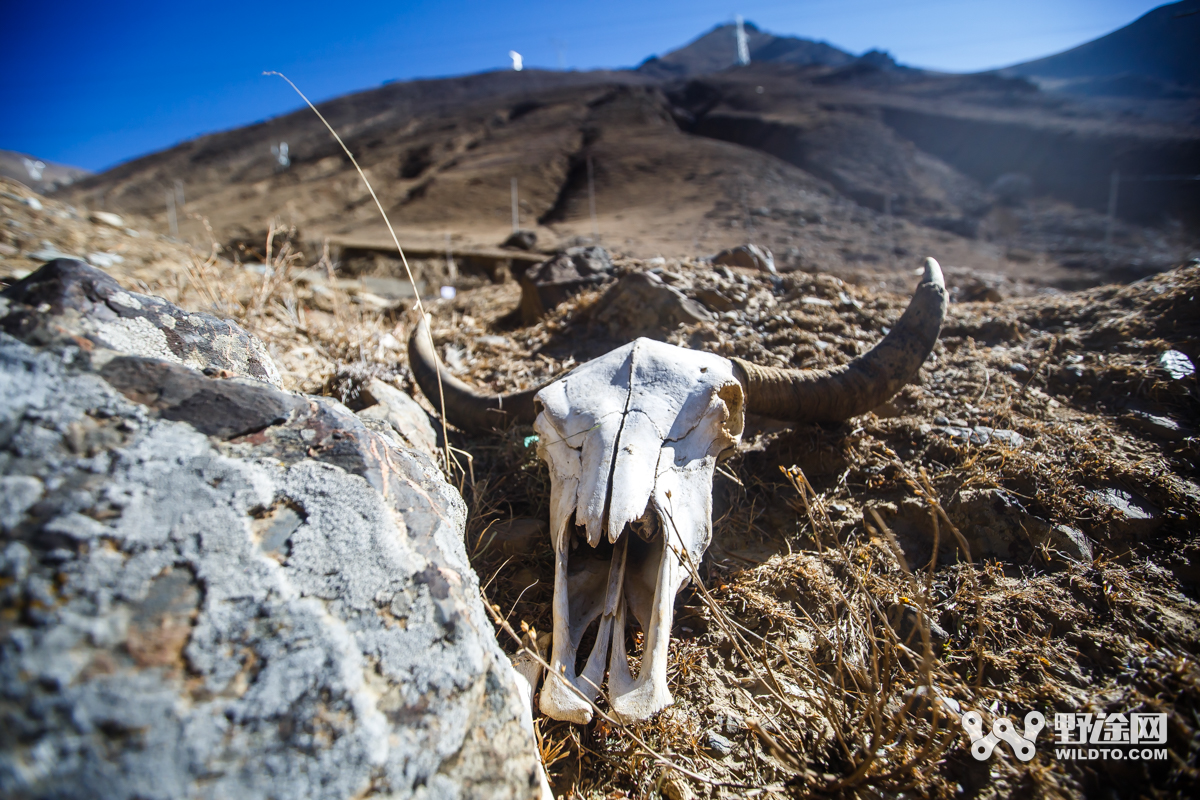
92,84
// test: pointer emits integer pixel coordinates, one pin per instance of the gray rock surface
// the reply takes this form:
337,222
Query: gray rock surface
399,413
99,310
546,285
750,256
214,588
642,304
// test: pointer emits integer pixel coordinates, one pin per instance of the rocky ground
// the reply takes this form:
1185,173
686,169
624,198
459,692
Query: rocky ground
1015,531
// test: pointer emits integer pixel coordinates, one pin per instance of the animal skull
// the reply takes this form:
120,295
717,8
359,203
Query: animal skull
631,439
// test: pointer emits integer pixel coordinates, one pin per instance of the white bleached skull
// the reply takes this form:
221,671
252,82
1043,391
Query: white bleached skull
631,439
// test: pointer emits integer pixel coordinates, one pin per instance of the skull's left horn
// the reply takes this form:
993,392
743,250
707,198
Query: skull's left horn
832,395
465,407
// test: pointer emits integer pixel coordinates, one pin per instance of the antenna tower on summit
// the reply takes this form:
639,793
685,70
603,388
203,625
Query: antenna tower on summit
743,47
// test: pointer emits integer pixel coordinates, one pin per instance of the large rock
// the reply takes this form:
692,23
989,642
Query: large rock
642,304
996,525
214,588
544,286
67,292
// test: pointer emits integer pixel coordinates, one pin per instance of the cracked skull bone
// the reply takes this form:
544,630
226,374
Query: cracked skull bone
631,440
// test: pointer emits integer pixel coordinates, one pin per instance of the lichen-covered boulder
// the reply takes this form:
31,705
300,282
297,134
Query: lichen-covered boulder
68,294
213,588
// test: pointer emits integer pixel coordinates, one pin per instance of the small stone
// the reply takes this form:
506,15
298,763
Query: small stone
17,494
1070,542
905,621
107,218
641,304
1008,438
521,240
1177,364
1132,516
515,537
718,744
996,525
750,256
980,292
715,300
1155,424
816,301
47,254
981,434
104,260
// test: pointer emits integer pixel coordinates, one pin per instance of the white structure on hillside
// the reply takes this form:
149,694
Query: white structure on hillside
742,45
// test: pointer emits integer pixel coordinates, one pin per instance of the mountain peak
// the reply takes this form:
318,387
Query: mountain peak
717,50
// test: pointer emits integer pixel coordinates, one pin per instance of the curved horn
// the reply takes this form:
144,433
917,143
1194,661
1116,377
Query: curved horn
465,407
831,395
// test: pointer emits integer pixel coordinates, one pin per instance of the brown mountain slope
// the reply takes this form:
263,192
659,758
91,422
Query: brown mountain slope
846,169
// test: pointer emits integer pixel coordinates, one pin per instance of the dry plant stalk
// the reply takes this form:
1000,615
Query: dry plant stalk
449,459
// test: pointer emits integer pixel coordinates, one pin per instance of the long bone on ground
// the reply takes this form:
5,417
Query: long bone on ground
631,439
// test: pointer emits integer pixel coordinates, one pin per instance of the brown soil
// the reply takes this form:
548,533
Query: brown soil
812,649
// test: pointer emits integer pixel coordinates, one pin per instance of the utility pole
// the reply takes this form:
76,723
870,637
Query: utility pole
743,46
887,214
172,220
516,210
1114,185
592,200
451,267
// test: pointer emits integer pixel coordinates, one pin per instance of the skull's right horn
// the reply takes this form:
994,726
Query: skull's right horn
465,407
838,393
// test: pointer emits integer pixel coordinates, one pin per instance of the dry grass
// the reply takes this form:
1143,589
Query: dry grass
830,659
824,635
